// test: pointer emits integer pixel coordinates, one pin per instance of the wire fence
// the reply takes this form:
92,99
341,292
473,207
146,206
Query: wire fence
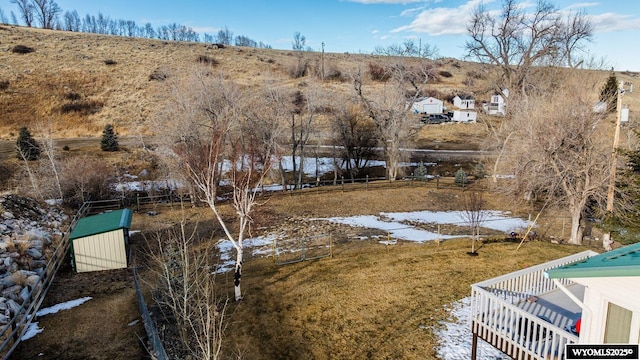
289,251
156,348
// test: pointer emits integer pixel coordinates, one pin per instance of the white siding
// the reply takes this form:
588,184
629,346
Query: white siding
464,116
100,252
622,291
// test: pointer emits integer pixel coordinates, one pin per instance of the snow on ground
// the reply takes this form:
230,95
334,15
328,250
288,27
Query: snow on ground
33,328
455,336
389,222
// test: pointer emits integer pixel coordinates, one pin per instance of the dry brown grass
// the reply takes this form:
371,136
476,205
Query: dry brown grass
369,300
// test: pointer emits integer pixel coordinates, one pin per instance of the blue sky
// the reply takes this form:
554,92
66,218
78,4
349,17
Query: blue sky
360,25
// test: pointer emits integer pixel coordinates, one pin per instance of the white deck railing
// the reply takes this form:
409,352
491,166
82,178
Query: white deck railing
496,318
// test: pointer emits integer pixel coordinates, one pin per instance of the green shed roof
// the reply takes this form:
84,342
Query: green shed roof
624,261
101,223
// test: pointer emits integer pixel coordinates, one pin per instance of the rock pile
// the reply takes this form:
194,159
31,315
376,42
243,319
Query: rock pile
27,232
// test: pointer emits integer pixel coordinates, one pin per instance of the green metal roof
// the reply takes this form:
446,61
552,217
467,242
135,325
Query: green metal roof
624,261
101,223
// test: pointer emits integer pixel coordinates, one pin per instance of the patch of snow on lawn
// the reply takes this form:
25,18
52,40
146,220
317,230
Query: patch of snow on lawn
261,245
455,337
495,220
33,328
394,228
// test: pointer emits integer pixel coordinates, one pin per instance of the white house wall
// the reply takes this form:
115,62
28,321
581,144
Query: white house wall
622,291
104,251
464,116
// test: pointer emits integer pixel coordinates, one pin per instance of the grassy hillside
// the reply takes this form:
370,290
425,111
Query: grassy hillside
75,83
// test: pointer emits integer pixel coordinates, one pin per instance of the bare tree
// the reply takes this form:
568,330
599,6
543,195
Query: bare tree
475,215
408,48
556,151
46,11
26,9
3,17
516,41
299,41
389,110
224,36
218,144
186,291
354,133
48,148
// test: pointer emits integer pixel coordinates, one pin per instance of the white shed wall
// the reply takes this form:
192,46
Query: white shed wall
622,291
104,251
464,116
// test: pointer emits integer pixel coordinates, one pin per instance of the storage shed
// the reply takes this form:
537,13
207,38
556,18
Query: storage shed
100,242
429,105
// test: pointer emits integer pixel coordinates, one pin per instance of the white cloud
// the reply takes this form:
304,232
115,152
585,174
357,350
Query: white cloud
608,22
442,21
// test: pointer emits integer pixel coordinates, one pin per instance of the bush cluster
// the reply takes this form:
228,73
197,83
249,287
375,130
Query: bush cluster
378,72
207,60
159,75
87,107
22,49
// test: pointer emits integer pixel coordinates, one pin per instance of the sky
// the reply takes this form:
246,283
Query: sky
359,26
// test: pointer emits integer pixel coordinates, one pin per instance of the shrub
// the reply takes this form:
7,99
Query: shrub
461,177
110,62
82,107
27,147
83,178
66,148
109,140
159,75
378,72
445,73
206,60
21,49
479,172
72,96
4,84
299,69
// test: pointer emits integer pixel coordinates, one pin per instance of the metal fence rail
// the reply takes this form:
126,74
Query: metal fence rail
290,251
157,349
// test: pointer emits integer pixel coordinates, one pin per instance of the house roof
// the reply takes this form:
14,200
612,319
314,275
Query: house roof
101,223
624,261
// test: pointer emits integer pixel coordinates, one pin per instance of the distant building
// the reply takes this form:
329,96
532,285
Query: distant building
464,116
464,102
429,105
497,105
600,107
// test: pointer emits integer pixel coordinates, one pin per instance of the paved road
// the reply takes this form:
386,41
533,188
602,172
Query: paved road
7,149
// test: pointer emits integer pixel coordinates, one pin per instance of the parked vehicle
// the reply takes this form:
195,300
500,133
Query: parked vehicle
435,119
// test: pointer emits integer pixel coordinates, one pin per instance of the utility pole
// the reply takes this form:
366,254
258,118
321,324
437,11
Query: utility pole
322,62
606,238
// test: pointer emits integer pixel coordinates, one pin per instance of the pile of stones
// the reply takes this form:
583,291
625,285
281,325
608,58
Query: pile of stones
28,233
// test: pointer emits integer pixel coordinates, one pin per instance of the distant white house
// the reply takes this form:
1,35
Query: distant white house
600,107
497,105
428,105
465,102
464,116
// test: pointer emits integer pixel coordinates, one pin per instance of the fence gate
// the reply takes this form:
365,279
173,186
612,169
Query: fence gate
290,251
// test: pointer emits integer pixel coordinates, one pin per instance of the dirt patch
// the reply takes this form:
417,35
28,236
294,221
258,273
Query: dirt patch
105,327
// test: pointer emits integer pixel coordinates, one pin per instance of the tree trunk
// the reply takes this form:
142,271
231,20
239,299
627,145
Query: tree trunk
576,228
238,274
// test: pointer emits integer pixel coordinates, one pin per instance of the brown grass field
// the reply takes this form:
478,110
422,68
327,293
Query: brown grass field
368,301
